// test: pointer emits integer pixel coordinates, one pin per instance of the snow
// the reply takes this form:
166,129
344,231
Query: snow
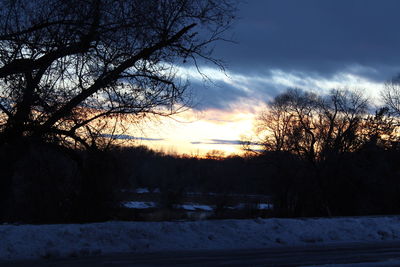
194,207
68,240
260,206
238,206
142,190
139,205
265,206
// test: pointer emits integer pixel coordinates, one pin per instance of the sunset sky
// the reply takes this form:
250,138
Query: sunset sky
311,44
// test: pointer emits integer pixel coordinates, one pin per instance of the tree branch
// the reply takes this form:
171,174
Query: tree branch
5,110
106,79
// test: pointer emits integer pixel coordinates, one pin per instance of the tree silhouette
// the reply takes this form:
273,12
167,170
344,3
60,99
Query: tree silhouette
329,154
391,95
313,126
67,65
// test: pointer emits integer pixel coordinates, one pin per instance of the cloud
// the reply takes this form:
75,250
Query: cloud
130,137
314,45
229,90
315,36
220,142
226,142
217,142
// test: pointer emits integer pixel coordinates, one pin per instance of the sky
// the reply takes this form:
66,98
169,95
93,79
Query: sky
310,44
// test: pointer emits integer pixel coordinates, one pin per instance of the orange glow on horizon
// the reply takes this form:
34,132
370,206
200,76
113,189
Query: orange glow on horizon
197,133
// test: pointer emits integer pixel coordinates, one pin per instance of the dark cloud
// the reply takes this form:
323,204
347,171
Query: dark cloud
226,142
316,36
130,137
220,142
217,142
217,95
310,42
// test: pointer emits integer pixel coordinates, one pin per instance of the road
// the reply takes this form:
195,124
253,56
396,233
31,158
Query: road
295,256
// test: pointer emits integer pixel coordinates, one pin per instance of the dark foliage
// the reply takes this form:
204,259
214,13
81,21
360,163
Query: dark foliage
146,168
44,183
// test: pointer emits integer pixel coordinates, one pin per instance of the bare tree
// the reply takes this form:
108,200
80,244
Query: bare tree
381,129
391,95
67,65
288,123
340,120
312,126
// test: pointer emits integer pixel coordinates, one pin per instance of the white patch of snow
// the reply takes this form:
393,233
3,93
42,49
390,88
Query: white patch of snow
260,206
265,206
194,207
64,240
142,190
139,205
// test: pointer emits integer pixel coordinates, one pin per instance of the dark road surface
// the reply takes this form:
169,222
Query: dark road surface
295,256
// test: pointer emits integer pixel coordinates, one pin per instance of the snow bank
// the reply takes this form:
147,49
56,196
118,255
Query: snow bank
35,241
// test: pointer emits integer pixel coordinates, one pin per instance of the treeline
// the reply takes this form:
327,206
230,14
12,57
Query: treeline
332,155
48,183
144,167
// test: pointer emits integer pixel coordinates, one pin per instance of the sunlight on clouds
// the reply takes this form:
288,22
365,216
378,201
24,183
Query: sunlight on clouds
256,84
192,132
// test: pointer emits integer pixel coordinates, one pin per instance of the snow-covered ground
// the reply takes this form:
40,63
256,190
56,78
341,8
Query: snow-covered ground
69,240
